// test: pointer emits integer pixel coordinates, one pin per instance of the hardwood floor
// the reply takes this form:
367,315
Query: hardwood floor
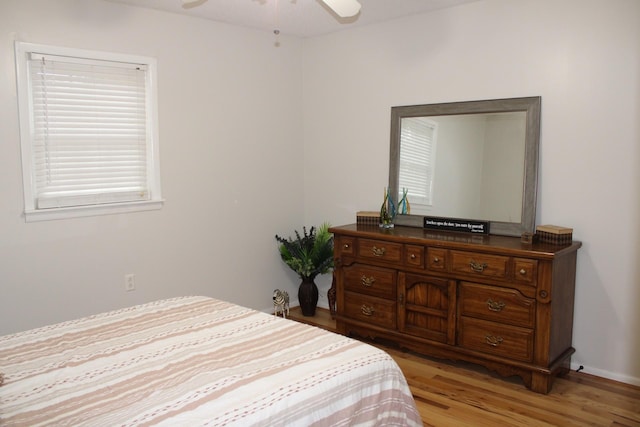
463,394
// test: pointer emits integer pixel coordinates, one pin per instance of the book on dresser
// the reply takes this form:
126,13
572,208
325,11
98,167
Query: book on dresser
491,300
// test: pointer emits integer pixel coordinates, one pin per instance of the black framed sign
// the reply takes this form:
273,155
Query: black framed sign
456,224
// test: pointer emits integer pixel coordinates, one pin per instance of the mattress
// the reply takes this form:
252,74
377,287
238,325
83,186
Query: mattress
197,361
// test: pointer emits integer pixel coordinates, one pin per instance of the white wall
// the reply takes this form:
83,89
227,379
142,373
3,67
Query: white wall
230,154
228,96
582,57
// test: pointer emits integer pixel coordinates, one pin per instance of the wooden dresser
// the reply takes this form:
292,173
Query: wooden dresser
490,300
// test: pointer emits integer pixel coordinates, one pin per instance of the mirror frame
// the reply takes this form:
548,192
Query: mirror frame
530,105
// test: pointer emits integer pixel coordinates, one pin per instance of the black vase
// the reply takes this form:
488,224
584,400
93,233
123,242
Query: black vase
308,297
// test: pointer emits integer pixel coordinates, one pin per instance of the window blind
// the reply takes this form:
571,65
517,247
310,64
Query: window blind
89,131
416,159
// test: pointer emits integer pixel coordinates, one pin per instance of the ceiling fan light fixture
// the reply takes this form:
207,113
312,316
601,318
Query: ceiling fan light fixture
344,8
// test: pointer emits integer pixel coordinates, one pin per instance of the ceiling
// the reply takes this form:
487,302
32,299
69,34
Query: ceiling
301,18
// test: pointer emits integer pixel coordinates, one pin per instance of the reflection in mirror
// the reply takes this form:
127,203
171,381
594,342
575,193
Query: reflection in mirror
472,160
479,146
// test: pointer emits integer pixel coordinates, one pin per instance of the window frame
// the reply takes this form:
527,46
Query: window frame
26,117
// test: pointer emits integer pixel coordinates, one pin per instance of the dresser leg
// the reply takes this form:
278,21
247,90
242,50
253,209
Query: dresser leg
541,383
565,368
331,296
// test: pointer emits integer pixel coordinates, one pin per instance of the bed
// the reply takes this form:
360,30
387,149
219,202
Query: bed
192,361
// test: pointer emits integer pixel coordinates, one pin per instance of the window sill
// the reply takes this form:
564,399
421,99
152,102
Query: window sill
92,210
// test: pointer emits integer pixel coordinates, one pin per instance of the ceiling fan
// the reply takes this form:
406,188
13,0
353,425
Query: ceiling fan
342,8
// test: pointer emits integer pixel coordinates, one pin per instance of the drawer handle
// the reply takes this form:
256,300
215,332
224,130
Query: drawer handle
523,272
477,267
346,246
495,305
493,341
413,256
368,281
436,260
378,251
367,310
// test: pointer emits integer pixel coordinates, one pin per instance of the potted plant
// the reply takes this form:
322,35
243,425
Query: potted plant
309,255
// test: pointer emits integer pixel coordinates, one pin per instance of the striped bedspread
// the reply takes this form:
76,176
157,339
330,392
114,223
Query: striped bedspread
194,361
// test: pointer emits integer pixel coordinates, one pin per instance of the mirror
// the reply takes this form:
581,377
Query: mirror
475,160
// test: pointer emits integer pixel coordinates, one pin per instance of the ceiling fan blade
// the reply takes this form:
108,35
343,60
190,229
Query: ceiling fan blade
344,8
188,4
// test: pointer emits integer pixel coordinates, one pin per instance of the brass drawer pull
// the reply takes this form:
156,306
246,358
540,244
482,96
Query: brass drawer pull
477,267
346,246
495,305
412,256
523,272
493,341
436,260
378,251
368,281
367,310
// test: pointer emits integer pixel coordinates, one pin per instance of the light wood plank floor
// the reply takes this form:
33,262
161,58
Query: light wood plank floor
463,394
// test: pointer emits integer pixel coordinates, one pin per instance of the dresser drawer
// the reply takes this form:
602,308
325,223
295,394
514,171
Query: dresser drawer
344,246
502,305
497,339
380,250
493,266
365,279
437,259
376,311
525,271
414,256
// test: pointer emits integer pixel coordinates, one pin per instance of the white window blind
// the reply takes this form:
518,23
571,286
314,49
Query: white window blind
417,137
91,136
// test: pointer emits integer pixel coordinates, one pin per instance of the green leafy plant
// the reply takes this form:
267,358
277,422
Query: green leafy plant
310,254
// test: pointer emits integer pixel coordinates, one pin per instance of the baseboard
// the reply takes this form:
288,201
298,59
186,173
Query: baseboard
606,374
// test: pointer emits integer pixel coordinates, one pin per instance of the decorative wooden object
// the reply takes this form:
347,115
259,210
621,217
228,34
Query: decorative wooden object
368,217
554,234
486,299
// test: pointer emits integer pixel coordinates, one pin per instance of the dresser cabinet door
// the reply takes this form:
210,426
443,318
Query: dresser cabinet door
426,307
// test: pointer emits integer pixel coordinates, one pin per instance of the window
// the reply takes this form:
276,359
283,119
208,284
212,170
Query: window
88,132
418,140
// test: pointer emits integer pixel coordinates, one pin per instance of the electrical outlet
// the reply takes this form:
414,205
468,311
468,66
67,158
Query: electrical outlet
130,282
